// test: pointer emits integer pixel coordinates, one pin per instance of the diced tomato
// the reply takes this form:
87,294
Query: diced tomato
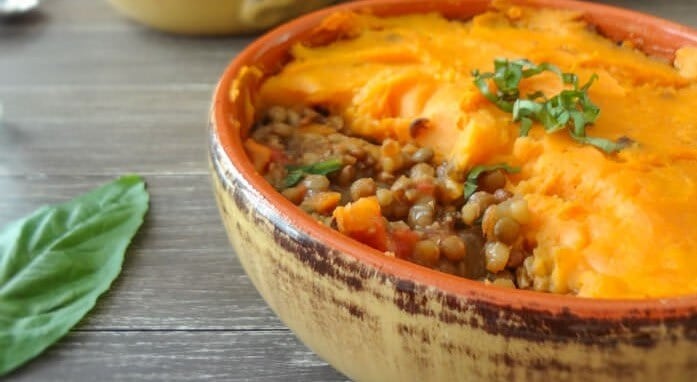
402,242
278,156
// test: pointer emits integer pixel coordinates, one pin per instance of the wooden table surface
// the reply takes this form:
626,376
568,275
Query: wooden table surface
89,96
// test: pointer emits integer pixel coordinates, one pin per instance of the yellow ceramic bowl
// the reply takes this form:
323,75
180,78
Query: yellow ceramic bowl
214,17
377,318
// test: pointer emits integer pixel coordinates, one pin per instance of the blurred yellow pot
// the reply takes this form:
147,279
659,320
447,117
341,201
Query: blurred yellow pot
214,17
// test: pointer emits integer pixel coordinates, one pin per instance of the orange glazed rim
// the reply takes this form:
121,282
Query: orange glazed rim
654,35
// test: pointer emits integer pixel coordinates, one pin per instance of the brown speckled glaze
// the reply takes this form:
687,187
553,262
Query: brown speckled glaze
376,318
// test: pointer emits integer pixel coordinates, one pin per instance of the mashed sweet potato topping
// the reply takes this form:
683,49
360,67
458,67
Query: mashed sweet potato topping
603,225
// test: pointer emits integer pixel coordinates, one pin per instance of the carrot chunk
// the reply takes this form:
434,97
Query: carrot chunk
363,221
258,153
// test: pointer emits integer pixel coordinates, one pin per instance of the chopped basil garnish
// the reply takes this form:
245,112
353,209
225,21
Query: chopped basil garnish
296,173
472,177
571,109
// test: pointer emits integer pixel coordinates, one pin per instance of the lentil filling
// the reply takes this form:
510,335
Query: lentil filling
397,198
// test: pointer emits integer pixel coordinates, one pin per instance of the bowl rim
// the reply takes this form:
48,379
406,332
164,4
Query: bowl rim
228,137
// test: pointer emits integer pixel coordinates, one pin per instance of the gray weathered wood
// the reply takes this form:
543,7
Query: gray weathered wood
85,43
178,356
122,128
135,56
87,96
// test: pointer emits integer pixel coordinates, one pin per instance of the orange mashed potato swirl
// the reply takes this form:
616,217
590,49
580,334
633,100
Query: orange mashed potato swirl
608,226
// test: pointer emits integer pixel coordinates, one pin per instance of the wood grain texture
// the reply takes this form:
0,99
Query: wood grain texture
125,128
87,96
178,356
85,43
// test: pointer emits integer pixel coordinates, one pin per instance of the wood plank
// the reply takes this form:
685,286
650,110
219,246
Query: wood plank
86,42
133,56
177,356
52,130
180,272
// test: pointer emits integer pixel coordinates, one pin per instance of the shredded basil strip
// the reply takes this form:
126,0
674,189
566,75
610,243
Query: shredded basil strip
571,109
297,173
473,175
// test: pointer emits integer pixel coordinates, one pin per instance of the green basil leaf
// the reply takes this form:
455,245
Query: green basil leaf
56,262
483,86
543,67
525,108
326,167
296,173
293,178
606,145
525,126
508,79
569,79
579,126
590,110
588,84
535,95
473,175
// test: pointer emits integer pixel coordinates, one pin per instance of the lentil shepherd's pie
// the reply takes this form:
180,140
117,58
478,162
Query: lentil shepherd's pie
519,148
